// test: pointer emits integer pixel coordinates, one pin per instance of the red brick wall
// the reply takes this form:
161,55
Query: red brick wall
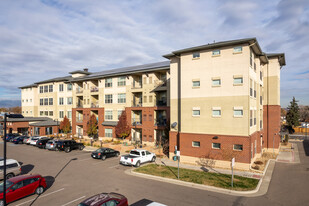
271,124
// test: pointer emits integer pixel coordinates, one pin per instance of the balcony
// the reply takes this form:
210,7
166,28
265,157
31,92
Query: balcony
80,105
79,91
160,121
94,89
161,102
136,121
137,104
137,85
79,119
94,105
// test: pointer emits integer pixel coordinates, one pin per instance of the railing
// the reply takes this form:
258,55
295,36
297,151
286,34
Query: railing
79,105
137,85
94,89
79,90
161,102
94,105
137,104
136,121
79,119
160,83
160,122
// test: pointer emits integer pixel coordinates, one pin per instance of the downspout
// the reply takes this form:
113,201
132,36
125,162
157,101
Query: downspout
179,103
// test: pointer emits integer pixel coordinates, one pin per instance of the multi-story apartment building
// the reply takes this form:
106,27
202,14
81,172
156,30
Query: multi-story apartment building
222,100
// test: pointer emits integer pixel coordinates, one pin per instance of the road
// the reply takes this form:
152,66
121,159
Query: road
75,176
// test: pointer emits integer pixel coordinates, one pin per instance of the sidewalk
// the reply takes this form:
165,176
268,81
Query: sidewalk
289,156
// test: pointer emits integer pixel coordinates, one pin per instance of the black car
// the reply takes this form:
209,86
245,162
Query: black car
41,143
69,145
19,139
104,153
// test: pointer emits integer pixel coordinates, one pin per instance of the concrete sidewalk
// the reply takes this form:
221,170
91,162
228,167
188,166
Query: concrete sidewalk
289,155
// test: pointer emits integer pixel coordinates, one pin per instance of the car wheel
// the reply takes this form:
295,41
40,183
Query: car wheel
39,190
117,154
138,164
1,203
10,175
81,147
104,157
67,149
153,159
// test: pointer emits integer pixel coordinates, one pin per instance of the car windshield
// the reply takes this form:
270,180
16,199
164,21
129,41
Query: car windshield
134,153
8,184
99,150
34,138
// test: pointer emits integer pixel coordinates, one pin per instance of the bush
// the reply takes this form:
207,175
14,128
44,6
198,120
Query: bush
258,162
256,167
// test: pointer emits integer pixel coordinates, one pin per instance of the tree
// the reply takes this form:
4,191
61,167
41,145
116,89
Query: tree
122,129
65,125
283,112
304,113
292,116
92,126
16,110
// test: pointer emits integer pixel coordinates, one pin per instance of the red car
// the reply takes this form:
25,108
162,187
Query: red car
21,186
108,199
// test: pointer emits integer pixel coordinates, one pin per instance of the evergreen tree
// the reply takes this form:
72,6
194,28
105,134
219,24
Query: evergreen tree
292,116
122,129
92,126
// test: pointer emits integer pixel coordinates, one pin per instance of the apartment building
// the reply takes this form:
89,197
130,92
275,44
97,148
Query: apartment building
222,100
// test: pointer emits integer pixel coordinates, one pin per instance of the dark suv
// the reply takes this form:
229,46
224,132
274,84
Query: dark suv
69,145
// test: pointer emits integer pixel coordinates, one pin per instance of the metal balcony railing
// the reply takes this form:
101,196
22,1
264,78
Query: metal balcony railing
79,90
136,85
136,121
160,122
161,102
94,89
94,105
79,105
137,104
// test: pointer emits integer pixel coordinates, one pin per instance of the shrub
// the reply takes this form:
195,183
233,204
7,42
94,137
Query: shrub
256,167
258,162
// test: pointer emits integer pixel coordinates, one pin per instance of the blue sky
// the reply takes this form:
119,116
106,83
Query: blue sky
49,38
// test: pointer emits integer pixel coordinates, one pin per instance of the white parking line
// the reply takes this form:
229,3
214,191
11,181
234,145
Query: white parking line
74,201
41,196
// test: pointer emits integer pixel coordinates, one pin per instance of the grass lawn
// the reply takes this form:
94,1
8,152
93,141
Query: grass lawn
200,177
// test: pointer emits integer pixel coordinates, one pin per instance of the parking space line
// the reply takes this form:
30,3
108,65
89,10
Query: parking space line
41,196
74,201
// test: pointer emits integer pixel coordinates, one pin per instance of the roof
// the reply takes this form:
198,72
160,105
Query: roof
126,70
26,119
110,123
251,41
57,79
28,86
280,56
101,198
80,72
21,177
49,122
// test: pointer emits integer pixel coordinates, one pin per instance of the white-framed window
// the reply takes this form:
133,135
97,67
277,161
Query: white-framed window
122,98
196,83
196,55
51,88
69,87
216,52
30,100
61,114
251,117
46,113
108,98
41,89
51,113
108,115
50,101
69,100
238,80
45,101
237,49
108,132
238,112
41,101
119,112
196,144
61,101
69,114
109,82
60,87
216,112
216,145
45,88
216,82
41,113
121,81
196,112
30,111
238,147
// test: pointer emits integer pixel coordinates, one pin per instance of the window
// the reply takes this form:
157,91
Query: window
109,82
108,98
51,101
251,58
41,89
46,113
251,115
41,101
51,88
216,112
26,100
196,144
61,102
41,113
196,83
108,132
150,99
251,90
61,113
51,113
69,100
108,114
119,113
216,53
216,82
216,145
237,49
45,101
254,89
145,80
45,88
254,117
196,55
238,113
121,81
196,112
238,80
69,114
238,147
30,100
69,87
122,98
150,80
60,87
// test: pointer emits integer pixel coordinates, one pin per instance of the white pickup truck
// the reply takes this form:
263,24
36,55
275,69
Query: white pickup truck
137,157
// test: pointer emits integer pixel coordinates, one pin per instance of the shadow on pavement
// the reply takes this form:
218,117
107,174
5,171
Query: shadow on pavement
25,169
169,169
306,147
49,181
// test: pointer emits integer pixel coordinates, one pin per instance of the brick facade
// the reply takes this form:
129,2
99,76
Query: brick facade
271,124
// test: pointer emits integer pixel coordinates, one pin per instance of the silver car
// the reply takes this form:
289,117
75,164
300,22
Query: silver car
13,168
51,145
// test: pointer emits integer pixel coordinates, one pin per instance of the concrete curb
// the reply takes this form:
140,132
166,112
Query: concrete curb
260,190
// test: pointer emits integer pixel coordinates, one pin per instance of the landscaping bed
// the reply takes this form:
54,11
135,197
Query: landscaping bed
200,177
260,163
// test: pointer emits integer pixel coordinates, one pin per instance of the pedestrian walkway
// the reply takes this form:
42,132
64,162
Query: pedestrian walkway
289,156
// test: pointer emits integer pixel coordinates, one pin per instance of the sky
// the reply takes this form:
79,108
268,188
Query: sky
45,39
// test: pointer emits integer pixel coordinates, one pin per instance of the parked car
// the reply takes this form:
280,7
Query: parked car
41,143
29,140
21,186
34,140
19,140
137,157
51,145
106,199
11,136
13,168
104,153
69,145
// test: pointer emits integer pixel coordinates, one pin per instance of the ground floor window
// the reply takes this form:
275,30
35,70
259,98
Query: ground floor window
238,147
48,130
108,132
196,144
216,145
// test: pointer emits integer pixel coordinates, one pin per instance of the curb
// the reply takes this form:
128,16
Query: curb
258,191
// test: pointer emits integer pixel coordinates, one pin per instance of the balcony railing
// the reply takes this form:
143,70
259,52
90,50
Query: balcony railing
94,105
160,122
137,104
161,102
136,121
137,85
79,105
79,90
94,89
160,83
80,119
